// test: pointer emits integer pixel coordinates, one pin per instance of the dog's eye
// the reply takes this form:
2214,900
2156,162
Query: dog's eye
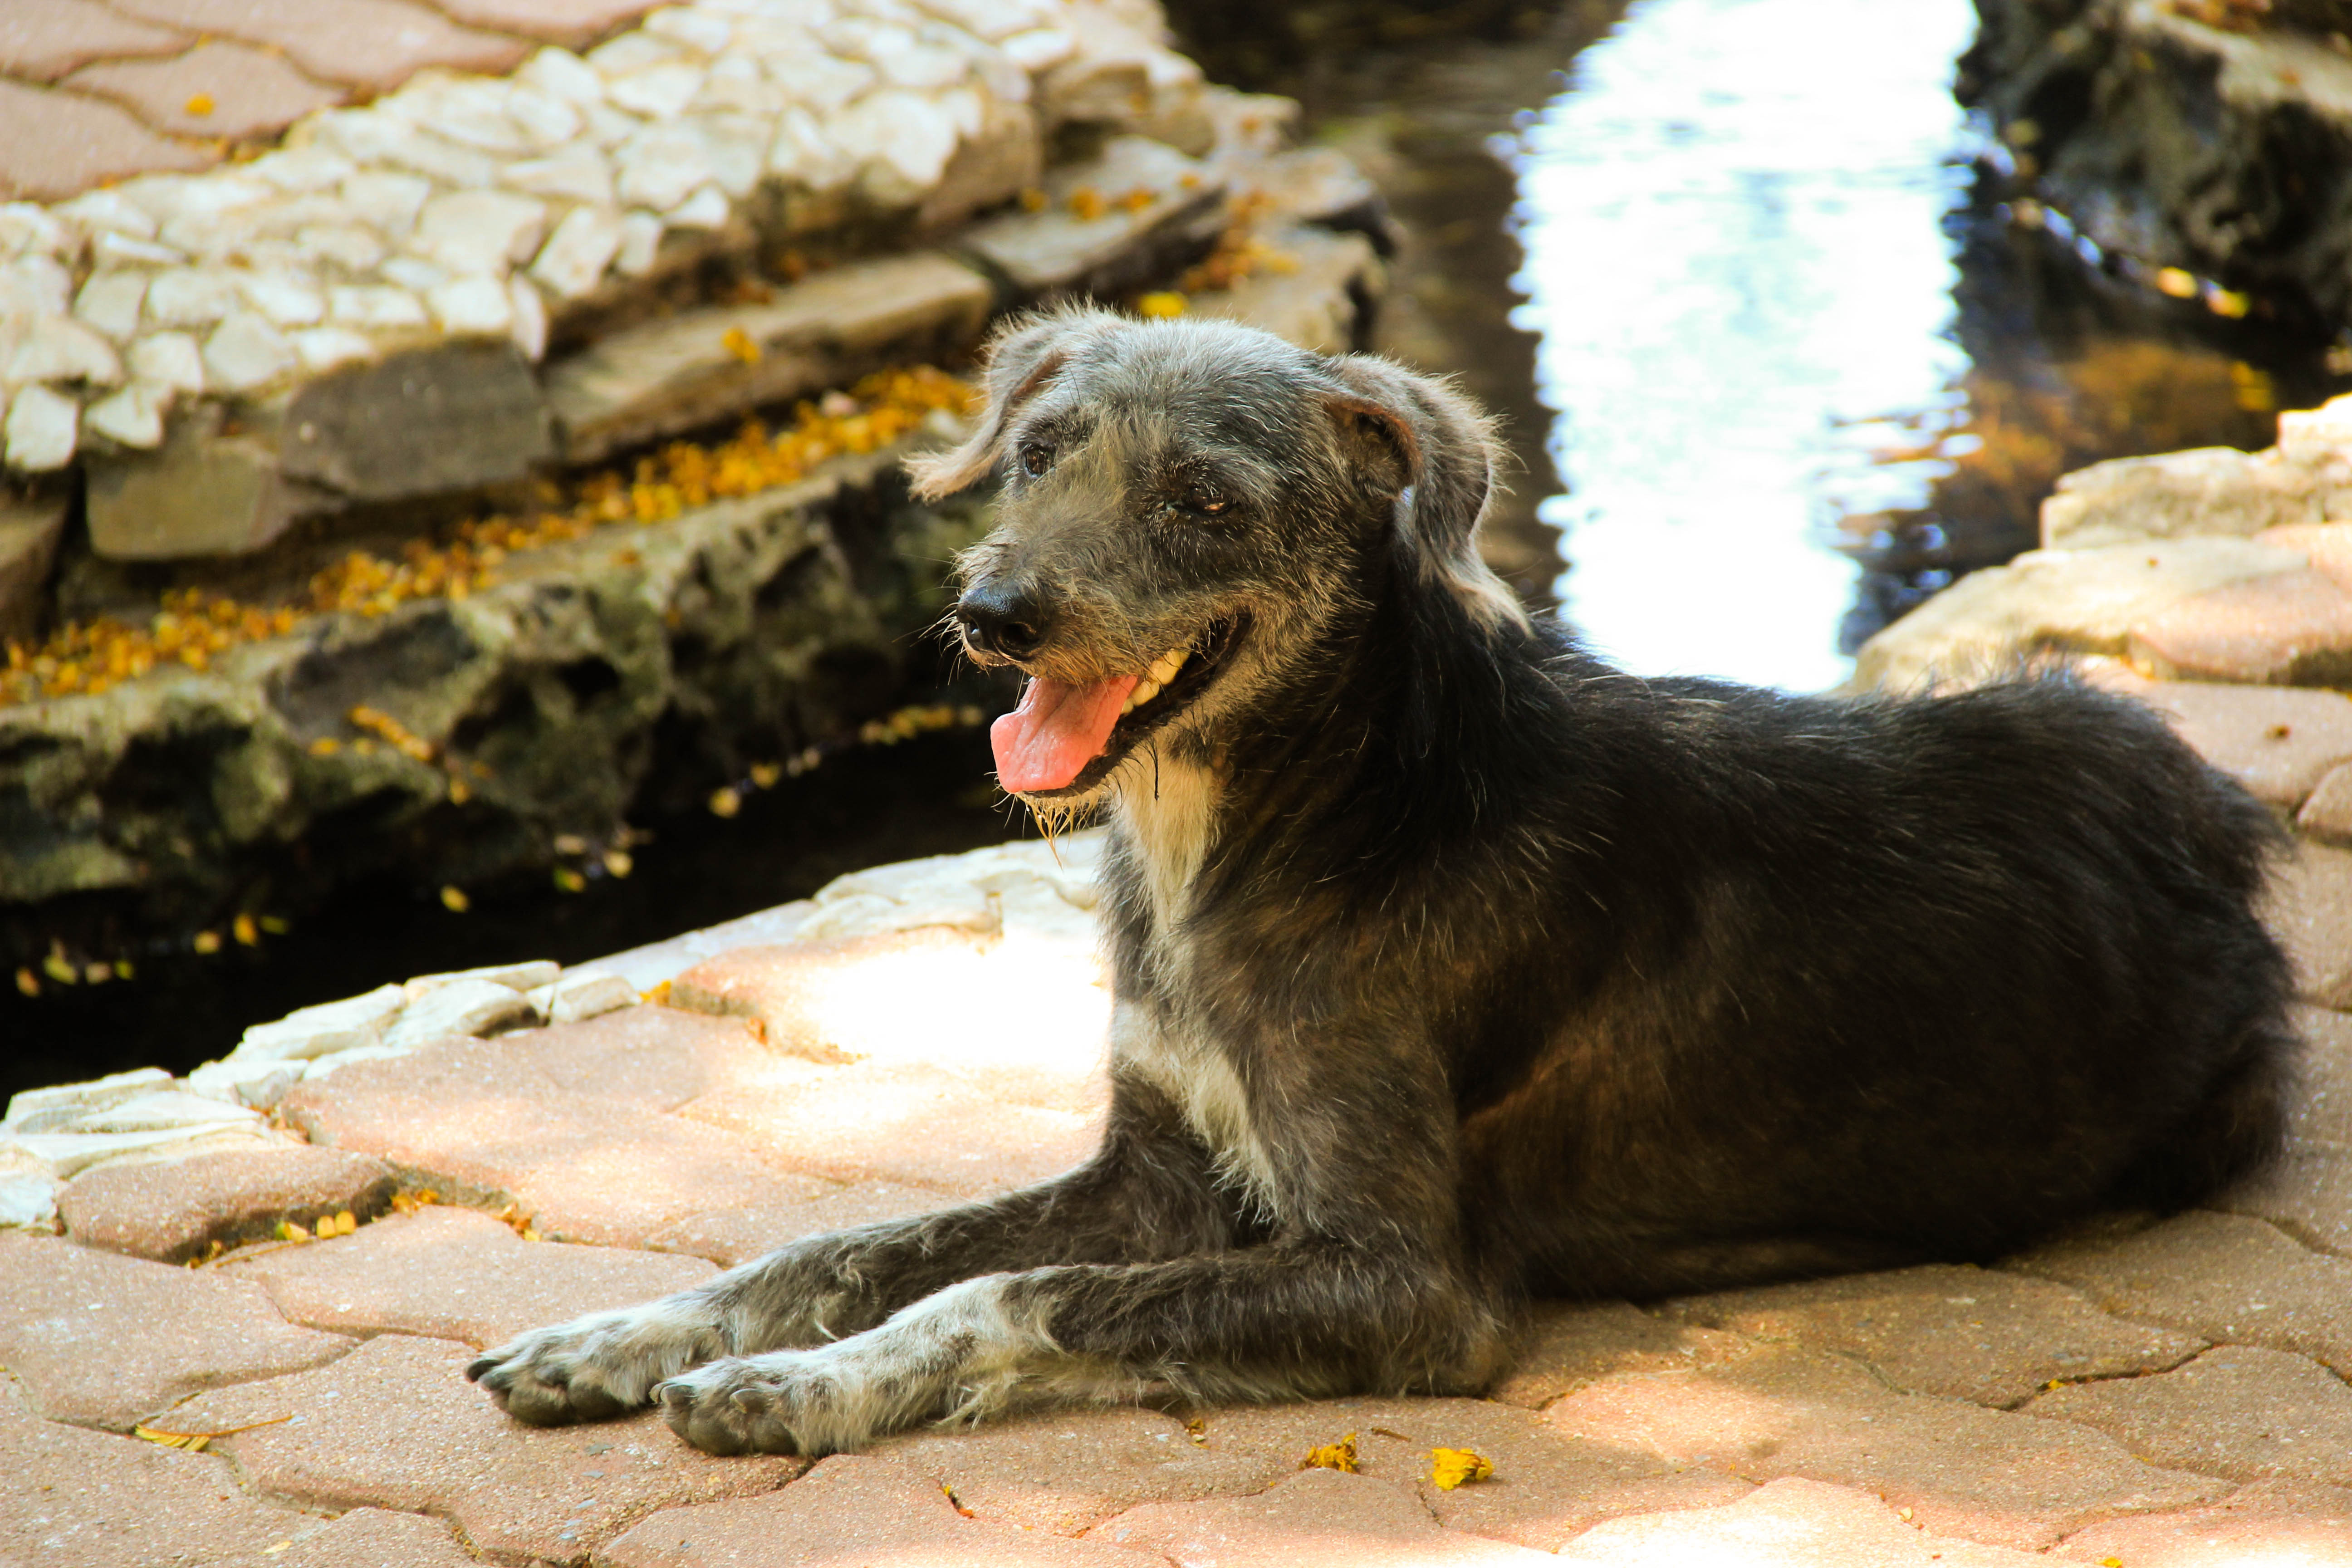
1207,499
1035,460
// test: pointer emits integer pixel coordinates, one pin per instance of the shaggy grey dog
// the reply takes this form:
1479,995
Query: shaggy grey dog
1453,966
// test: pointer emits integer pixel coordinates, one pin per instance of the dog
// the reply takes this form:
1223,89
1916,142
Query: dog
1454,968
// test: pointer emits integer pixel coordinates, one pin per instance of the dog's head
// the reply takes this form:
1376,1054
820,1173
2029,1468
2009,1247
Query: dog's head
1189,508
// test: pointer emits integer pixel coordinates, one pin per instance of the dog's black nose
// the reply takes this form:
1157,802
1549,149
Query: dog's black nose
1003,620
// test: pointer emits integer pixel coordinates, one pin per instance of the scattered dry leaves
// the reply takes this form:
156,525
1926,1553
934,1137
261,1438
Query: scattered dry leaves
1338,1456
1450,1468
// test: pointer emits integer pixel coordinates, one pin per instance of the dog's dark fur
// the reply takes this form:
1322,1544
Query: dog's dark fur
1453,966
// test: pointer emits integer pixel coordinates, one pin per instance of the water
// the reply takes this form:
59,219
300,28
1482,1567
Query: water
1808,365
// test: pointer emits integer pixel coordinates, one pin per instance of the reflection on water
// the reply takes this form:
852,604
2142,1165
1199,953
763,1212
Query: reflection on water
1808,363
1733,221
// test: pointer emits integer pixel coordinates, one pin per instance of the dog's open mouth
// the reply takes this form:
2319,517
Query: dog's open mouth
1064,737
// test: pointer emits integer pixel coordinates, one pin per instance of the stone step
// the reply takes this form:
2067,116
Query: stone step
702,365
1106,226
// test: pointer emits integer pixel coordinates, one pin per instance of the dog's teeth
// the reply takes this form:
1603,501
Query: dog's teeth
1145,690
1163,669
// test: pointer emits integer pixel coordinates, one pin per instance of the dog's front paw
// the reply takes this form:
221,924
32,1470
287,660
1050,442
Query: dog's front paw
597,1366
788,1402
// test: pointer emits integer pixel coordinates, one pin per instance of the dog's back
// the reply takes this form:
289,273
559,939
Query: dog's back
1822,984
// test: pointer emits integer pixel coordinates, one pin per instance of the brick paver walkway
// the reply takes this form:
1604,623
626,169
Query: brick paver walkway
97,90
2161,1395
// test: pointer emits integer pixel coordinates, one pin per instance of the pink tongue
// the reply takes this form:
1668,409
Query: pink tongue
1058,729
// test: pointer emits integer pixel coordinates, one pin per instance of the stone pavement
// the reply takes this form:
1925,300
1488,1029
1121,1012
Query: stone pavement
235,1308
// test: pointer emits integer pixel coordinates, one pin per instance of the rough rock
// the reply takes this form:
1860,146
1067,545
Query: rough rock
2191,142
2061,601
103,1340
464,1007
171,1210
455,416
203,492
1322,296
30,527
2235,1411
394,1425
782,613
1108,227
2227,1279
700,365
1966,1333
95,1095
324,1028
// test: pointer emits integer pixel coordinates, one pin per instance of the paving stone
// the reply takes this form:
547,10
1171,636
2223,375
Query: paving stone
1314,1519
455,416
887,998
2073,601
55,144
104,1341
241,91
2320,1109
1320,297
1548,1484
566,1122
2309,909
372,1538
1064,1471
2227,1277
2000,1477
203,492
41,40
2209,490
1966,1333
171,1210
850,1511
691,368
1061,251
571,23
2238,1411
30,527
91,1499
2269,1524
2327,815
394,1425
2279,744
455,1274
906,1122
1791,1523
2308,1194
1564,1347
728,1236
374,45
2293,628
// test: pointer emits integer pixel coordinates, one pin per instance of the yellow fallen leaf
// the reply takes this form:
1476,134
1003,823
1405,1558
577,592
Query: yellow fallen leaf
1159,305
738,341
1338,1456
2177,283
200,104
454,901
2111,1562
247,932
1449,1467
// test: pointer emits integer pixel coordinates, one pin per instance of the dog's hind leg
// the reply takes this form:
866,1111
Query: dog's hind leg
1286,1319
1147,1192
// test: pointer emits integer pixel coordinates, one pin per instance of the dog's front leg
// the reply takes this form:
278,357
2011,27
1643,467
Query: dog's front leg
1284,1321
1146,1193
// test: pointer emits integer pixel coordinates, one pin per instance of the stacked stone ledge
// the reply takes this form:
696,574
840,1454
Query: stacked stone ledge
532,697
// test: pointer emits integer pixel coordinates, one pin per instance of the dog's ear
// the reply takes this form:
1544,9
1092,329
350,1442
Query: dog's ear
1021,361
1446,450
